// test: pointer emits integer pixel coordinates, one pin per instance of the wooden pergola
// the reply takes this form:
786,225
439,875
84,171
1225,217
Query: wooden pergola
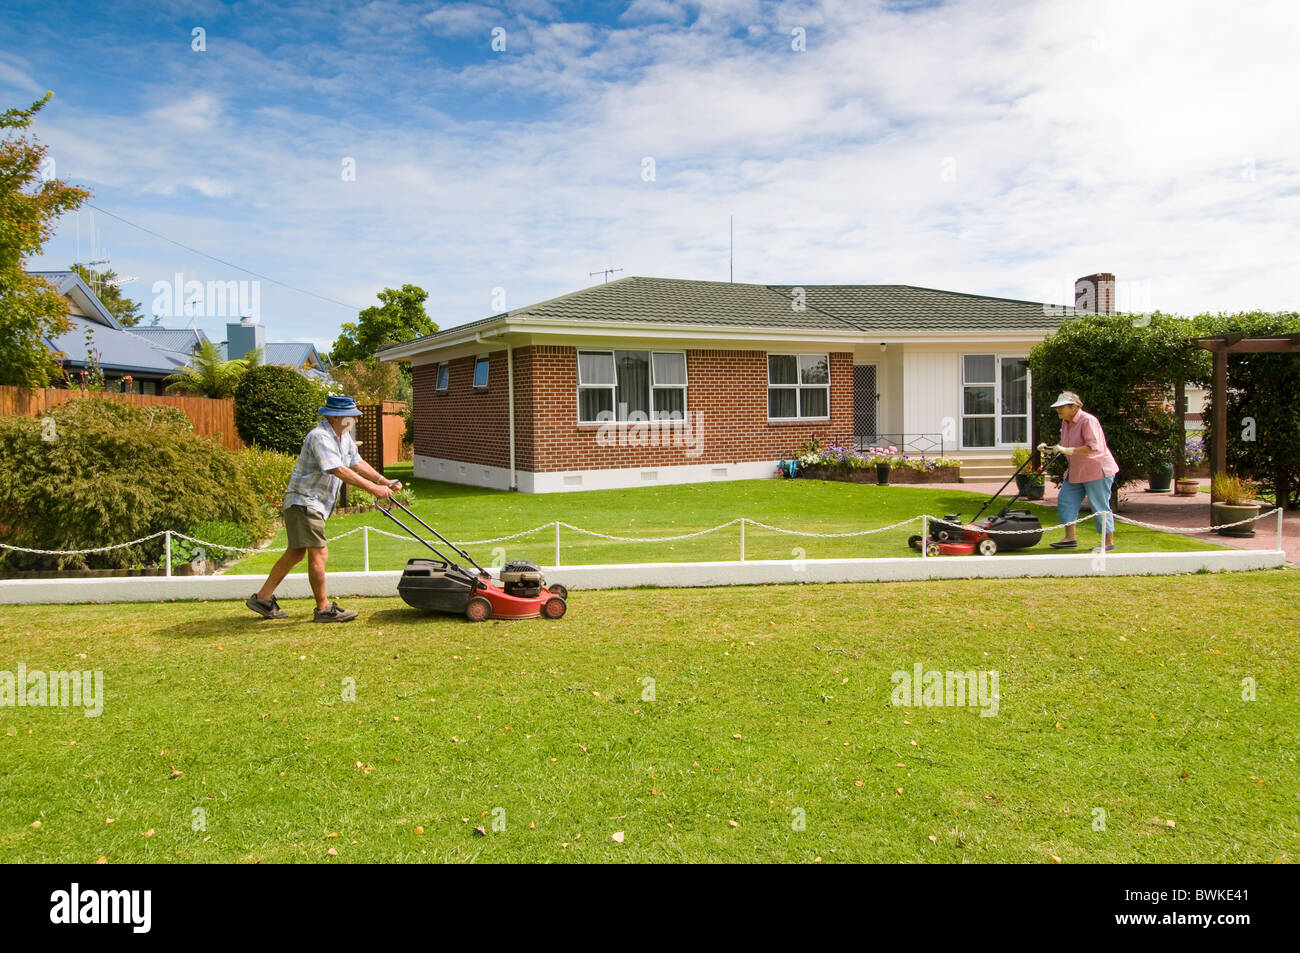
1221,346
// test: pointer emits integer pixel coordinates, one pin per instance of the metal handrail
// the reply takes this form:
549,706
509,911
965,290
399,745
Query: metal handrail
922,443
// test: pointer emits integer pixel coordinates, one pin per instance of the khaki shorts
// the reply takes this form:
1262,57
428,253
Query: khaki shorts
305,528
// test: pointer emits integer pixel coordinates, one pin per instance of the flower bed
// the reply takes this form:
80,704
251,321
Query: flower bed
859,466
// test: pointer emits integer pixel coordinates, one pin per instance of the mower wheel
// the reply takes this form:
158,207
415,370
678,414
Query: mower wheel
554,607
988,546
932,548
558,590
478,610
914,542
942,535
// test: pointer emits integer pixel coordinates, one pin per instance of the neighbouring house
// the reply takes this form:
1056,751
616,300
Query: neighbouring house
651,380
241,337
96,337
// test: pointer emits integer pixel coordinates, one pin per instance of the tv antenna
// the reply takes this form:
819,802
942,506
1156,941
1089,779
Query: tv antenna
604,271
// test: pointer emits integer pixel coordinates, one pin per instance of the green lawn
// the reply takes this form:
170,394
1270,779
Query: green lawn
1121,695
465,513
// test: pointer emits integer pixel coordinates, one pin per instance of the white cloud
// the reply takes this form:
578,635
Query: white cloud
998,150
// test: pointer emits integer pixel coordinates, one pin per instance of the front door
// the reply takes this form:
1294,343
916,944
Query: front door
865,403
995,401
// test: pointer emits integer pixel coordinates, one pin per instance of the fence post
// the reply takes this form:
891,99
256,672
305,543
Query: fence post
742,539
365,544
167,551
925,533
1279,528
557,542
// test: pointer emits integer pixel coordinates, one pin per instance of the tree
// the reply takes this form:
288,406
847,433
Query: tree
110,295
1263,411
210,376
31,201
1124,370
371,381
399,317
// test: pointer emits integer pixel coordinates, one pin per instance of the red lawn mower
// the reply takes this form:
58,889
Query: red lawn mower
949,536
439,585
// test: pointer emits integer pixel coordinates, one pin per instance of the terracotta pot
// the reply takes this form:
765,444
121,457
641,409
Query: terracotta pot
1187,488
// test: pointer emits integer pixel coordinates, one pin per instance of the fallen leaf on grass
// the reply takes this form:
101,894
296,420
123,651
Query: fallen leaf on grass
35,825
332,852
616,837
480,831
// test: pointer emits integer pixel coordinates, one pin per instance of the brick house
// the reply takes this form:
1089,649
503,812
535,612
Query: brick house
650,380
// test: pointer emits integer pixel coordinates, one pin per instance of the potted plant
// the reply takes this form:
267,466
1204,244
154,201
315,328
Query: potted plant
1159,477
883,458
1232,500
1029,482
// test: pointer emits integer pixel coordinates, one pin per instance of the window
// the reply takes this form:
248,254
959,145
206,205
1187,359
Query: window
995,400
444,374
631,385
481,373
798,385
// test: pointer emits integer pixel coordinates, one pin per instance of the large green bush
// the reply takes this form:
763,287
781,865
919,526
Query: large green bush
99,471
275,407
1123,368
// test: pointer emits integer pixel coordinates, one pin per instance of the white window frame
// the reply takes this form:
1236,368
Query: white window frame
481,359
441,386
998,358
684,387
798,386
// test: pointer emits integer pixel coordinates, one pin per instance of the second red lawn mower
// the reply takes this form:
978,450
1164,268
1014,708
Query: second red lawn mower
439,585
1008,529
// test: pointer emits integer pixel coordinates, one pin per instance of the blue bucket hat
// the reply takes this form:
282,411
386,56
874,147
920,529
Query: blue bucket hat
339,406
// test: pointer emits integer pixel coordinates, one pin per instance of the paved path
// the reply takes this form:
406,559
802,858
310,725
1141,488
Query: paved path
1166,509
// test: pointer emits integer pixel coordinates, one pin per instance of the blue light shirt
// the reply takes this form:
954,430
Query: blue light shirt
312,484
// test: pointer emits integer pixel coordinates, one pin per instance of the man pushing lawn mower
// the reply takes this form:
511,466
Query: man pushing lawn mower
329,458
1092,471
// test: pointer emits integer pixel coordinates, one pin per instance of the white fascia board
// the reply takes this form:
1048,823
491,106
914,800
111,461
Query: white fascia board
690,334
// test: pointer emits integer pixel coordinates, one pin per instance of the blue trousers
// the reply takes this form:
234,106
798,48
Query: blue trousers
1070,497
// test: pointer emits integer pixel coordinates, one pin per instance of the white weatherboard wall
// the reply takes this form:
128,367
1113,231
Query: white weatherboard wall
577,578
931,391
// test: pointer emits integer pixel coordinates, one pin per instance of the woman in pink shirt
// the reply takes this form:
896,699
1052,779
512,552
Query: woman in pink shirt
1092,471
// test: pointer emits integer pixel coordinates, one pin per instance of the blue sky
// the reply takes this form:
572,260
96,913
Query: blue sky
998,148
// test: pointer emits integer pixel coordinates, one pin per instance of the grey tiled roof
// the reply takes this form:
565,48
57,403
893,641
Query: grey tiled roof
119,350
176,339
908,308
722,304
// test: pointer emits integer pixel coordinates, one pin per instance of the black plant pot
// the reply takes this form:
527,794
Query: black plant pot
882,474
1030,488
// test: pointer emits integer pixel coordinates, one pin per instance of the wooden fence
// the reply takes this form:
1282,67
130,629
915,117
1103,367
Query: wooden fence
211,418
382,445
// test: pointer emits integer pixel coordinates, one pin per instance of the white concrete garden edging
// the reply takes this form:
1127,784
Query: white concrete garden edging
733,573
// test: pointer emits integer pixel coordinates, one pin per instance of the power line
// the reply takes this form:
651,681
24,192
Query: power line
228,264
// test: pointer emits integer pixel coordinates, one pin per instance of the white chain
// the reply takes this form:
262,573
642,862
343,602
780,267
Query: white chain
650,539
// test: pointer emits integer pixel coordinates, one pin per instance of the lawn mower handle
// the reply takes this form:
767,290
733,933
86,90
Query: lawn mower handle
388,511
989,501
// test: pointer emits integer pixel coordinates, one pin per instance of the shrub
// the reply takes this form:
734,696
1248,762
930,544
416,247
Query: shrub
275,407
221,540
99,471
267,472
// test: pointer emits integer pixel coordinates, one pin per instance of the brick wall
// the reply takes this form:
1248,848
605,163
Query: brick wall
729,388
463,423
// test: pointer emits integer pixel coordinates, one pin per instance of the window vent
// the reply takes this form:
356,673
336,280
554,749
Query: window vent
719,472
650,475
573,479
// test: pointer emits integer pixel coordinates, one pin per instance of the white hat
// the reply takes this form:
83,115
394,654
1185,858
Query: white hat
1068,397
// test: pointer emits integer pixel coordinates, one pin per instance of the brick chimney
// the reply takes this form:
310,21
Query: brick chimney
1095,293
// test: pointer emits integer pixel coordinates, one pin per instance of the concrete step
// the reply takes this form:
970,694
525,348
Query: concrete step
985,473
